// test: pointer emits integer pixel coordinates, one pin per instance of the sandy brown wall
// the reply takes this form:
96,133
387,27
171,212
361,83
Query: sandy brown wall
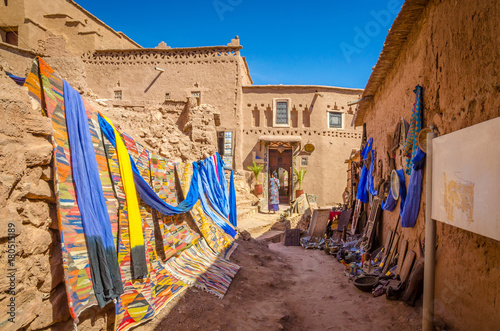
452,53
326,170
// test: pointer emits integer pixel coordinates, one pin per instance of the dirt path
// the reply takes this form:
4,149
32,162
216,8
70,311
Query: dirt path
286,288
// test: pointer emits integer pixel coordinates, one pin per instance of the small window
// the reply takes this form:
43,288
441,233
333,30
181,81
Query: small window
118,95
167,96
197,95
335,120
303,162
9,35
282,112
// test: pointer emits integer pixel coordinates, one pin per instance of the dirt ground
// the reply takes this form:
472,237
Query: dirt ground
286,288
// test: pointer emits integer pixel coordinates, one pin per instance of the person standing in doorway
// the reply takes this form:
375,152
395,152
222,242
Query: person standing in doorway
274,196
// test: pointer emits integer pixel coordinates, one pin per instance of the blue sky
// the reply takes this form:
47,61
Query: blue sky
285,42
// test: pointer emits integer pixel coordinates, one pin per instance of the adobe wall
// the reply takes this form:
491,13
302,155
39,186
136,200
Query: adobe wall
215,72
38,20
326,175
452,52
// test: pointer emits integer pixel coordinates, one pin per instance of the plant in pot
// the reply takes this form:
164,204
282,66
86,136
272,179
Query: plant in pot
300,173
256,169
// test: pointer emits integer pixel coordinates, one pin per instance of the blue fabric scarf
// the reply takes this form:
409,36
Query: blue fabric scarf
217,218
91,202
206,180
369,182
362,193
147,194
218,190
412,207
232,202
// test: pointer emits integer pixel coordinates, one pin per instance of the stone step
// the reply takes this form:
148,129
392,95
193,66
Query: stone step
243,213
273,236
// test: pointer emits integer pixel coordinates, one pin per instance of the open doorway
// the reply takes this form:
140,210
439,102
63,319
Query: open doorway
280,164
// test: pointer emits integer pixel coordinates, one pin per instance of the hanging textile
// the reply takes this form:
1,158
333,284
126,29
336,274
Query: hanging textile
369,183
222,179
209,181
142,298
410,147
146,193
412,206
19,80
219,241
174,235
221,221
47,87
89,193
232,202
362,192
138,251
215,191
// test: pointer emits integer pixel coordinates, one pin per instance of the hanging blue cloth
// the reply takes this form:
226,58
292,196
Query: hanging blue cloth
147,194
19,80
232,202
212,196
412,206
91,202
222,178
217,218
218,191
362,193
370,187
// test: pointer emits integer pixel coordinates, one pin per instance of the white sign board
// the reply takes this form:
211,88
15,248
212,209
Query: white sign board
466,178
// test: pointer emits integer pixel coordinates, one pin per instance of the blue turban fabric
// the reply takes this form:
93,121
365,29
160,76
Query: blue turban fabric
91,202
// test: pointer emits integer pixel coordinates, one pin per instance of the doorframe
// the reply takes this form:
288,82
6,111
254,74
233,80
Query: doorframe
291,193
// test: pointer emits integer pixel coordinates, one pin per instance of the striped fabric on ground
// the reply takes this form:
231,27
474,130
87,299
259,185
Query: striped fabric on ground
200,267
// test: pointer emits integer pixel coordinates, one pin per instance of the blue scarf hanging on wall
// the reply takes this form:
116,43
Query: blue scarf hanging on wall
207,179
362,193
91,202
412,206
232,202
217,218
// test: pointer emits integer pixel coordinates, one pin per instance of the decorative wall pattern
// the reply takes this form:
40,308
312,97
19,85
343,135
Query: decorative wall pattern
157,56
303,133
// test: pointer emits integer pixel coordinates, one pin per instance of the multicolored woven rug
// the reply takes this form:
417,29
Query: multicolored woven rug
142,298
199,266
220,242
74,249
175,235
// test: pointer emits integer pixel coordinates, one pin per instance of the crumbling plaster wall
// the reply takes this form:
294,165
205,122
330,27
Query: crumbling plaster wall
452,52
31,277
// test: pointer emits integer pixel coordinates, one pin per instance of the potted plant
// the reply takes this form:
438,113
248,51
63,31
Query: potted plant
256,169
300,173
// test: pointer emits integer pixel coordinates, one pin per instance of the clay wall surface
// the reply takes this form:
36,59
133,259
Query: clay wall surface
326,175
38,21
452,52
215,72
